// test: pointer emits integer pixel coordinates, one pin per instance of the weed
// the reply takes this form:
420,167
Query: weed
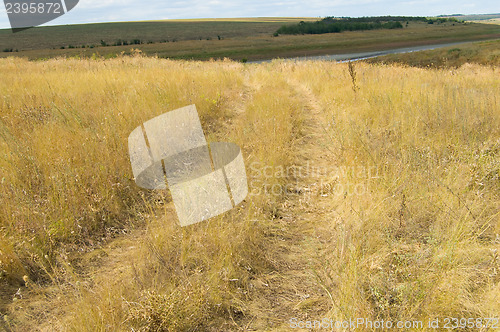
352,73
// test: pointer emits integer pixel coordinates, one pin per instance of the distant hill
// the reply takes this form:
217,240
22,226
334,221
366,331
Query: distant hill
124,33
473,17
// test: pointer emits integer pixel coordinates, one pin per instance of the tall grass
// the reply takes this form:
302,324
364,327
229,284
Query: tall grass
422,241
65,168
98,253
68,186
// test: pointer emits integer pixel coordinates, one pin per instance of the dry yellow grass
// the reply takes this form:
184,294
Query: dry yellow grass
422,241
483,53
396,214
490,21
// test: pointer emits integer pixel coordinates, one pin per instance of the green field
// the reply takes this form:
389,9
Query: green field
237,39
150,31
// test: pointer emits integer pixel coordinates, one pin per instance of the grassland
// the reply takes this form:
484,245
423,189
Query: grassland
477,17
485,53
248,40
492,21
395,215
149,31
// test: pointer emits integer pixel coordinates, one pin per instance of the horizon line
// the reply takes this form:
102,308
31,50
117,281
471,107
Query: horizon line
232,19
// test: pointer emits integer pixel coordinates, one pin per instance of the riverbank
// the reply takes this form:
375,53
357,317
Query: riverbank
368,55
485,53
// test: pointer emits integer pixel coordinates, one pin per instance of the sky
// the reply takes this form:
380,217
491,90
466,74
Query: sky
93,11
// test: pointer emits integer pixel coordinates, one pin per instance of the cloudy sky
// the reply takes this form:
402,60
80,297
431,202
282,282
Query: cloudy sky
92,11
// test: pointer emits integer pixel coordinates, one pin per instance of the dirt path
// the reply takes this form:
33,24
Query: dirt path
295,290
292,290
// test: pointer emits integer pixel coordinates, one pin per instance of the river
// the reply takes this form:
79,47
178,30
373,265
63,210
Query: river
365,55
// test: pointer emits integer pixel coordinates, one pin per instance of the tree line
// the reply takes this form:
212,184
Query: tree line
340,24
320,27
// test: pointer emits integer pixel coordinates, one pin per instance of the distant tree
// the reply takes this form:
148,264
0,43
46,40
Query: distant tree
331,25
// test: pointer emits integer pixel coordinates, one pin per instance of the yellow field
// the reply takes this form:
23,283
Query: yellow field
392,211
490,21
